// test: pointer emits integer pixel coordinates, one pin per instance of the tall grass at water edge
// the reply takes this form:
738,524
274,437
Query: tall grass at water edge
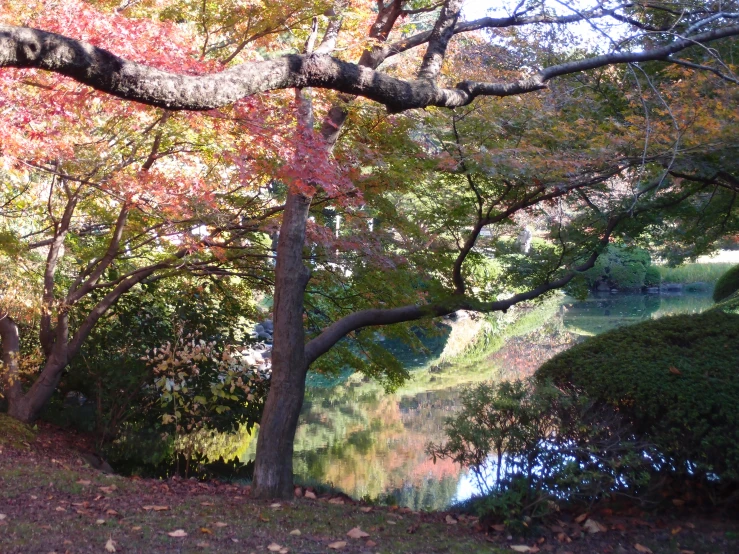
693,273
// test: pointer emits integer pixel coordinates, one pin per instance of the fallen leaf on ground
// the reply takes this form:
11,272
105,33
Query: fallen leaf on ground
178,533
366,509
675,371
450,520
110,546
357,533
220,524
60,509
499,527
136,528
643,549
295,532
203,544
592,526
206,531
108,490
337,545
206,504
581,517
156,508
520,548
687,552
310,494
275,505
111,513
370,544
274,547
84,482
336,501
678,502
676,530
99,521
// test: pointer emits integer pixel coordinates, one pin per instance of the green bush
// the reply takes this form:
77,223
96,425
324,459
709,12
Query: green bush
727,284
652,276
622,268
675,380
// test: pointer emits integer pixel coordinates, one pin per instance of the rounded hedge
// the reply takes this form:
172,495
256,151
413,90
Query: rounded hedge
727,284
675,379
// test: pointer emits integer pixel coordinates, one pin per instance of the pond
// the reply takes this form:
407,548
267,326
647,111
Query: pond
370,444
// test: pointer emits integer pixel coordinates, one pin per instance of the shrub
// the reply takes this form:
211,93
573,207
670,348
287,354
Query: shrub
622,268
727,284
652,276
676,382
530,445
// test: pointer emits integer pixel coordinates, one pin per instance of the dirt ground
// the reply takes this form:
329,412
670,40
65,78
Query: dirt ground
51,500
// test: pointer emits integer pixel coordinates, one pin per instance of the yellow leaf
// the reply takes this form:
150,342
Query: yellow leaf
110,545
206,531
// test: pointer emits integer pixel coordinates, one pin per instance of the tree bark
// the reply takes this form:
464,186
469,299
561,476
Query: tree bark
10,344
273,469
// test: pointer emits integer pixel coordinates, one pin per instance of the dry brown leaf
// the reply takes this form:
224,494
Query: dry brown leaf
60,509
99,521
366,509
203,544
357,533
207,504
206,531
592,527
450,520
370,544
178,533
295,532
274,547
690,525
84,482
336,500
675,371
284,551
678,502
111,513
498,527
310,494
110,545
276,505
643,549
156,508
136,528
520,548
220,524
338,545
687,552
581,517
676,530
108,490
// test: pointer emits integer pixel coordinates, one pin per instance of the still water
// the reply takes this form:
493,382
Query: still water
368,443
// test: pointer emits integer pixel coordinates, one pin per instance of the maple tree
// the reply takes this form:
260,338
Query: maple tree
154,177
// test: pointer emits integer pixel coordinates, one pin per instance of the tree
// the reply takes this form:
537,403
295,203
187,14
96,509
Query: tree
659,34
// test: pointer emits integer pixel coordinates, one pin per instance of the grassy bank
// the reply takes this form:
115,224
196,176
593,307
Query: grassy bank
693,273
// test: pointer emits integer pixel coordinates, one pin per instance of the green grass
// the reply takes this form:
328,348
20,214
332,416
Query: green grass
693,273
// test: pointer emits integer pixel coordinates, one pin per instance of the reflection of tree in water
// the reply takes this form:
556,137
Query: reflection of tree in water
429,494
367,443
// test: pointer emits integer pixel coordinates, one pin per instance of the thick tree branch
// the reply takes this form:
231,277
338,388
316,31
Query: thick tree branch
376,317
98,68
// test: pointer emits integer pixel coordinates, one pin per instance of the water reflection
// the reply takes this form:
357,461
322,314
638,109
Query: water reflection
370,444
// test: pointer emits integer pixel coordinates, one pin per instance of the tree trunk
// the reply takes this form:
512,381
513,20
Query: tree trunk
27,407
273,469
10,344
